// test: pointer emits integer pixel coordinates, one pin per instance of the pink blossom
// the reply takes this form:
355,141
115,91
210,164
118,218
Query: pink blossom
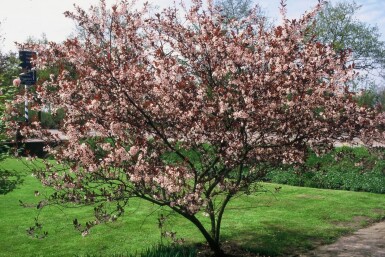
240,115
133,150
16,82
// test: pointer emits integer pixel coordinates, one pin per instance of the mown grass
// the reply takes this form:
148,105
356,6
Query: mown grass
282,220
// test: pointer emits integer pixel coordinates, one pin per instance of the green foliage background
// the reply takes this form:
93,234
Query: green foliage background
354,169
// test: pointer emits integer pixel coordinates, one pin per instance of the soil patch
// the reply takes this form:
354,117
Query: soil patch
356,223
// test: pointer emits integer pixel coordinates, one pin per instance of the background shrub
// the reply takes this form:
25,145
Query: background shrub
346,168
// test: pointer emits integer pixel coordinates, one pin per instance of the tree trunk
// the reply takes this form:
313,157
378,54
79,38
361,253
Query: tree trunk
220,215
213,244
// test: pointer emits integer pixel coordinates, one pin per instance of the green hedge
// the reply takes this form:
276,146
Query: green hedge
346,168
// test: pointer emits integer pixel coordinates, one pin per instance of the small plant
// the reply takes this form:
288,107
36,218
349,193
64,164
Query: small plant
164,234
36,231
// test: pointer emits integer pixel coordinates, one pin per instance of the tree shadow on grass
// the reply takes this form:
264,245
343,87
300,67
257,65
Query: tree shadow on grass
9,181
277,240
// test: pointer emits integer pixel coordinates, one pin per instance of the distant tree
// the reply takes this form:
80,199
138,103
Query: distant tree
372,96
39,40
240,9
190,114
8,72
237,9
337,25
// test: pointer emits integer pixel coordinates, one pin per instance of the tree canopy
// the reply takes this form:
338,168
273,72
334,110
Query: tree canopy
189,114
8,71
338,25
237,9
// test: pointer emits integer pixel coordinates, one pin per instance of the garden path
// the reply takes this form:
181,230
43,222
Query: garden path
366,242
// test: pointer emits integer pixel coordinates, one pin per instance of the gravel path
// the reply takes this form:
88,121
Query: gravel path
366,242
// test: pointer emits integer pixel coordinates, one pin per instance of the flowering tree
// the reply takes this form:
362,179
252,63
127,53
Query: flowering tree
8,70
188,112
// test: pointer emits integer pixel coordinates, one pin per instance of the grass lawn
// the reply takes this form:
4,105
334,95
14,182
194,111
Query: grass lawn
290,220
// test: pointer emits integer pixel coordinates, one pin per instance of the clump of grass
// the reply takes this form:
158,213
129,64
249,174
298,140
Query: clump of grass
169,251
155,251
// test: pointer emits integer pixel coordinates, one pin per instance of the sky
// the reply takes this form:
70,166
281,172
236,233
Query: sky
21,19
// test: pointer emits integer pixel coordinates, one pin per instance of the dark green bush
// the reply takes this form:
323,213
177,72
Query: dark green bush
346,168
